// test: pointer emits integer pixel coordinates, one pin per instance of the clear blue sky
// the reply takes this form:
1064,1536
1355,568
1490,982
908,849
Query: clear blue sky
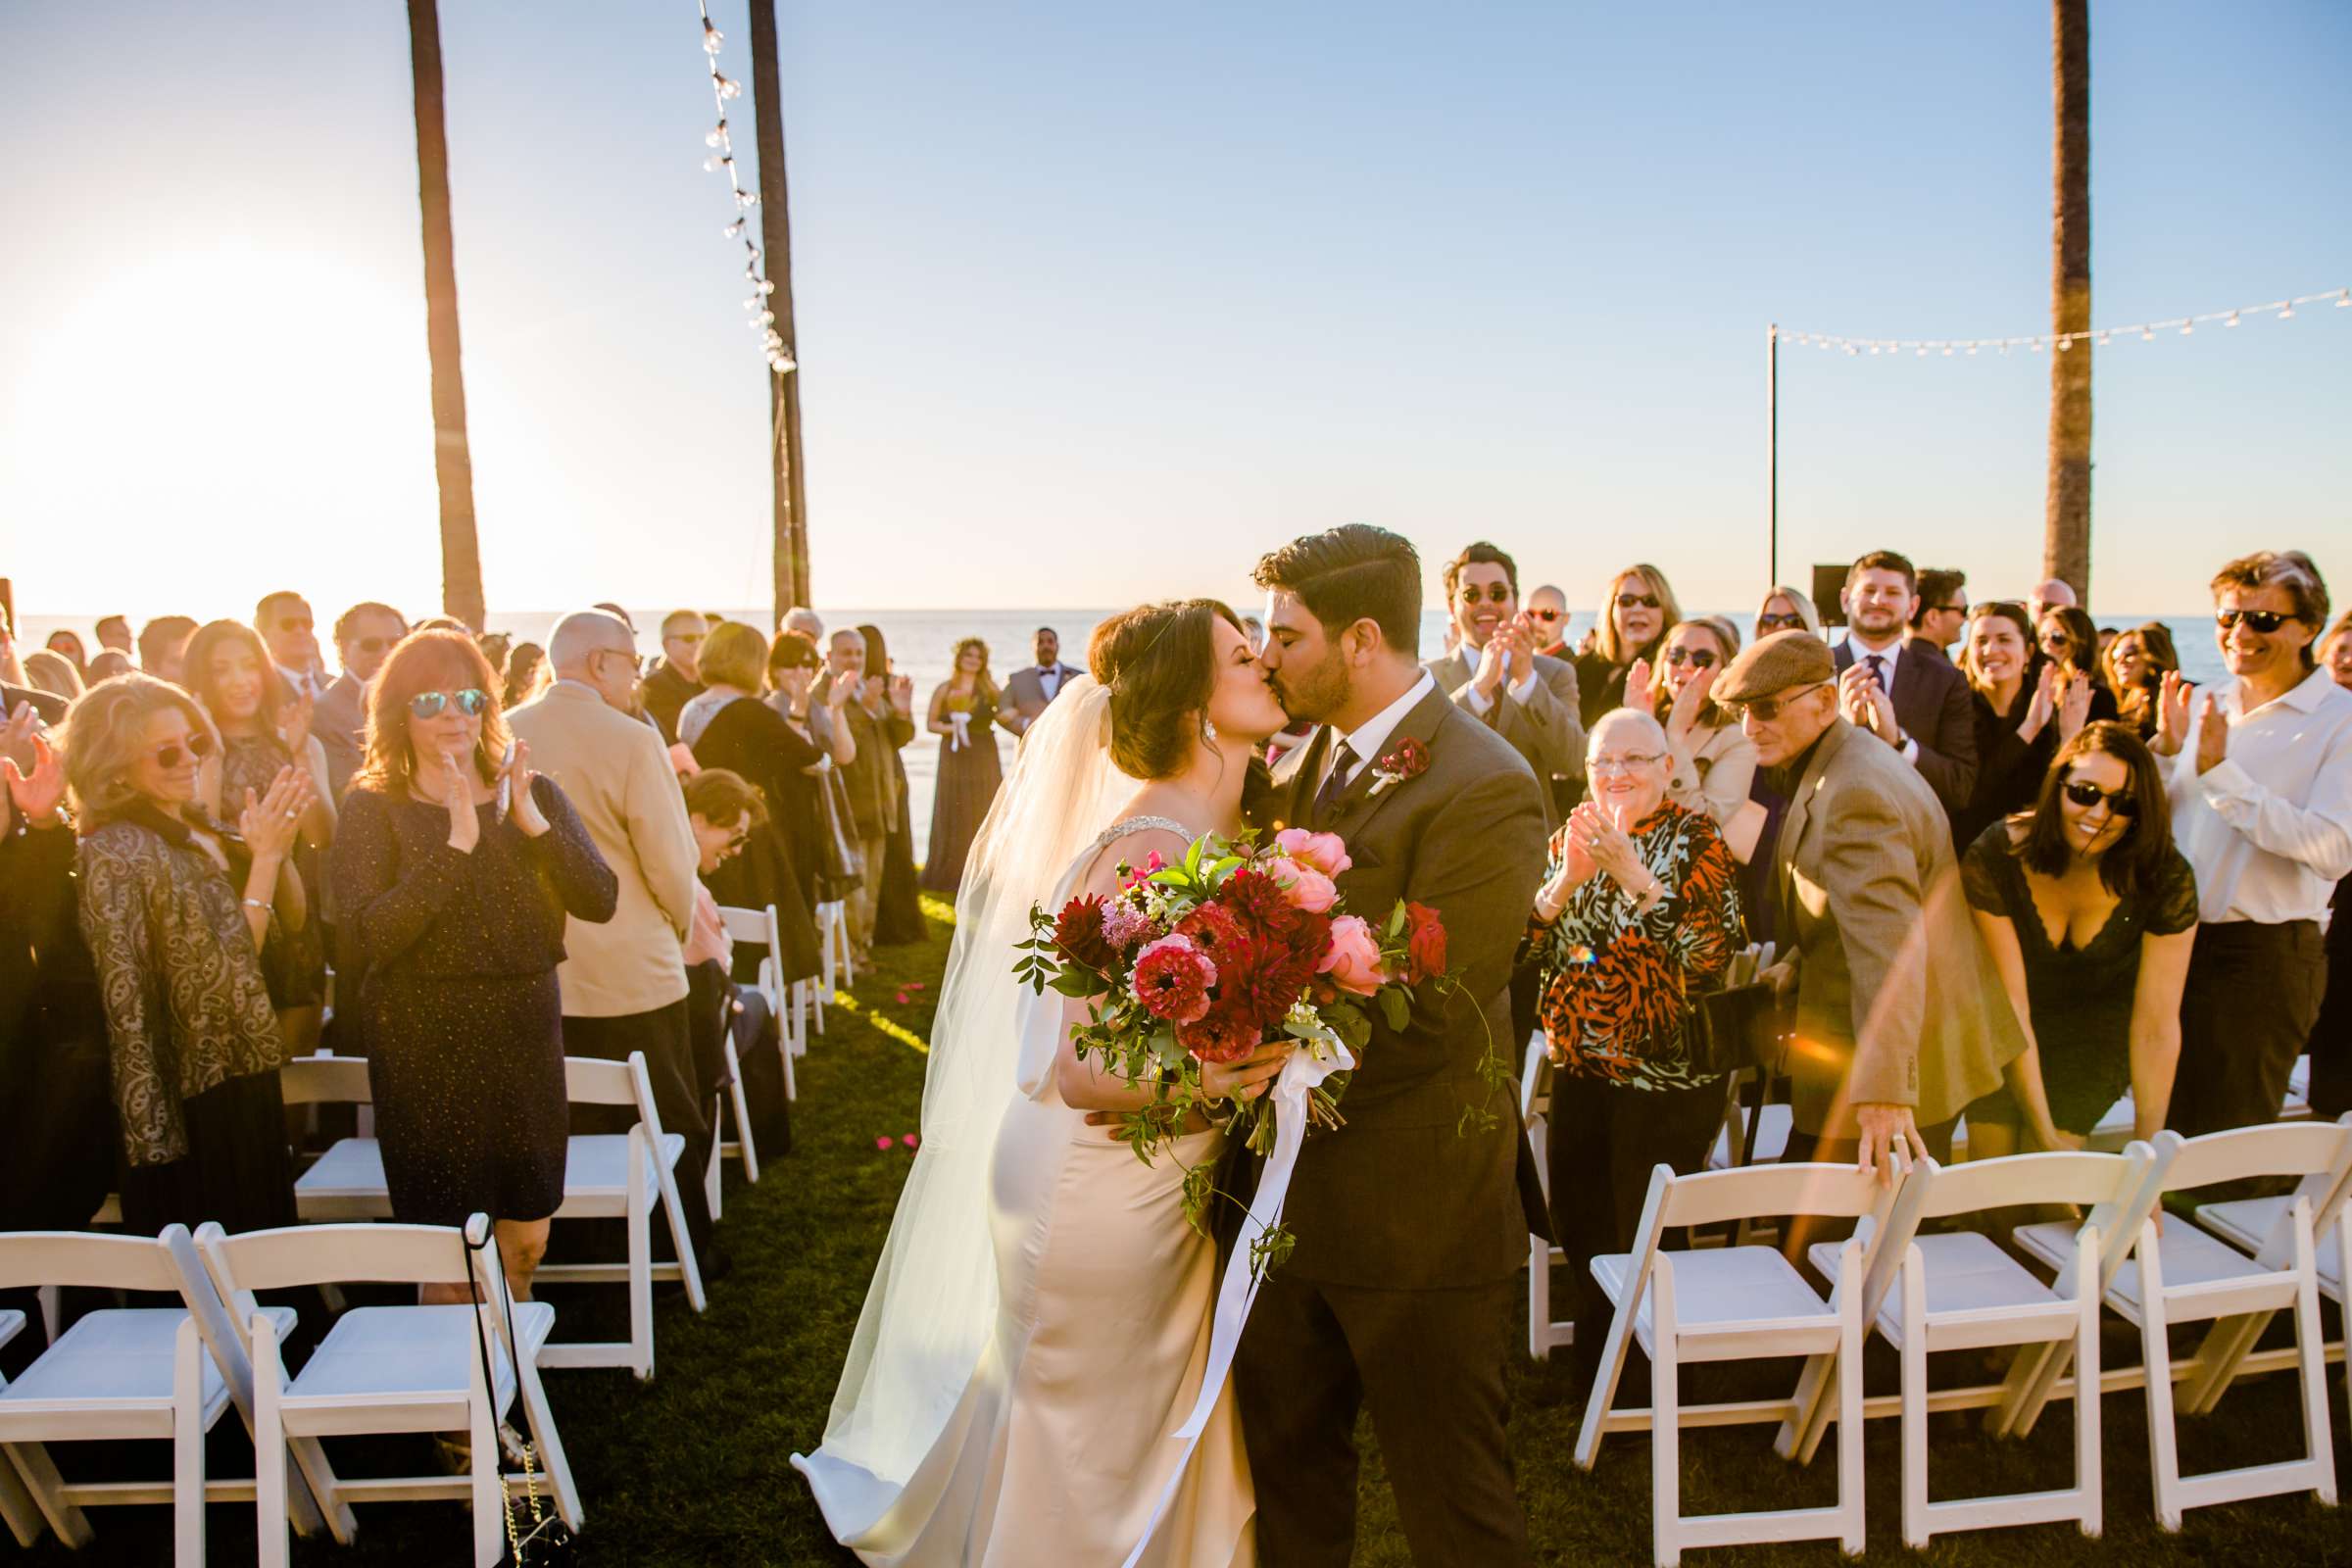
1098,302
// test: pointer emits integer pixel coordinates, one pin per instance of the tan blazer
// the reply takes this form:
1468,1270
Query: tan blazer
616,774
1897,1000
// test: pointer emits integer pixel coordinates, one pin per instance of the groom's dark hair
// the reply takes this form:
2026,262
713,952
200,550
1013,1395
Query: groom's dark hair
1351,573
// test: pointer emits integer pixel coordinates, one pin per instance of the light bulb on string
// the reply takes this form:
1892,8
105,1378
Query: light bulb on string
2147,334
2344,298
1972,350
734,229
2286,310
2066,344
2232,321
747,198
715,135
2188,326
767,286
729,87
2102,340
1948,351
711,37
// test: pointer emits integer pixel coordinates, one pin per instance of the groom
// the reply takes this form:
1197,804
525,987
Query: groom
1410,1228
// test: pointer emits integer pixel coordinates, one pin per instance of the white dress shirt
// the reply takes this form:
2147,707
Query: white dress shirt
2269,828
1048,680
1367,738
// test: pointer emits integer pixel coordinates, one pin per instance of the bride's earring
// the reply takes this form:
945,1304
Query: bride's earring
1208,732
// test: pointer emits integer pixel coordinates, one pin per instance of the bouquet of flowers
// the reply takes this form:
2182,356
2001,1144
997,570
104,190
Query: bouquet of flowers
1206,960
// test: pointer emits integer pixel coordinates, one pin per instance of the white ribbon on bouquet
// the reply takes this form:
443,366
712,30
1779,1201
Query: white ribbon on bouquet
1301,1075
962,723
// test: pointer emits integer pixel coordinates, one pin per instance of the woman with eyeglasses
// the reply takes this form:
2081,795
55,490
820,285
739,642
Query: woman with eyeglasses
2067,638
2135,665
1637,913
1635,614
1713,762
2090,914
1785,609
175,910
2024,711
455,870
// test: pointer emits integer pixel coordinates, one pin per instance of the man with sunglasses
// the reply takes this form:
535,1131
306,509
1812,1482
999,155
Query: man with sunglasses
1494,673
1547,616
2259,772
1915,701
364,638
676,677
1901,1019
290,632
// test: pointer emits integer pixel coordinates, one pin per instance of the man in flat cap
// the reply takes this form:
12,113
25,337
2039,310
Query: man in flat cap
1901,1018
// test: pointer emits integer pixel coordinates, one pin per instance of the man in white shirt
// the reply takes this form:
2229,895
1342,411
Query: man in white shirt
1028,692
2260,778
1492,672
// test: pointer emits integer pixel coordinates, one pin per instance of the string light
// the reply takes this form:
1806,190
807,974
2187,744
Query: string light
725,89
2277,310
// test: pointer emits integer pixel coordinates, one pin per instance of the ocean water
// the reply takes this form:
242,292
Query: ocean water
922,641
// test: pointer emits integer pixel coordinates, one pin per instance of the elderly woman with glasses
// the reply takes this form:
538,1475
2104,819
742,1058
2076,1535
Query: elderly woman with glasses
175,909
453,870
2089,913
1638,912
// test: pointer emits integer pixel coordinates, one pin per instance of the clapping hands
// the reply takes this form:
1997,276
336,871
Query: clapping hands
1606,845
2172,715
267,823
522,801
294,724
35,795
1867,704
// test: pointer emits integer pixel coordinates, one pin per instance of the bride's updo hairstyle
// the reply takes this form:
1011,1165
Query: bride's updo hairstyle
1159,663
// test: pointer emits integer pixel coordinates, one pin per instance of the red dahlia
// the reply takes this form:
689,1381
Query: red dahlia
1259,979
1260,903
1078,935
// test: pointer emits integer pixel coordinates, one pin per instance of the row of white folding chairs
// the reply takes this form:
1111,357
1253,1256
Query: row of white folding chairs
1937,1292
623,1176
172,1372
792,1006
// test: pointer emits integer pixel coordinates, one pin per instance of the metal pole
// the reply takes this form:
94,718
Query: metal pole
1771,454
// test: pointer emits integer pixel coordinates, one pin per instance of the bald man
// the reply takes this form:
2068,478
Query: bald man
2050,594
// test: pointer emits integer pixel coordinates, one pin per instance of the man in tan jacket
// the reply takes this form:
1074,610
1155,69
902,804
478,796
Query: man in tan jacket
625,982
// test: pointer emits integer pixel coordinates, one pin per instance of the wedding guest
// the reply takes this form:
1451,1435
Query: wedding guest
674,680
2048,594
286,626
963,715
2260,775
897,904
724,810
161,641
1710,762
622,981
1028,691
1495,674
455,872
2089,913
525,675
2331,1047
175,911
2067,639
1942,613
364,638
1786,609
497,648
113,634
805,622
48,670
1547,616
1918,705
617,614
265,729
1638,914
2021,718
2135,665
1898,1005
1635,612
107,664
67,644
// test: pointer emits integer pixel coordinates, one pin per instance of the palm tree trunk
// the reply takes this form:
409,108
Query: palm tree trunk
2066,524
783,391
453,459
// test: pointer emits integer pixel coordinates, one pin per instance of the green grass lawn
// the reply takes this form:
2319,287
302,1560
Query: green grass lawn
691,1469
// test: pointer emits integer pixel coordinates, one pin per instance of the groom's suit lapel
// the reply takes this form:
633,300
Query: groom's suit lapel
1360,802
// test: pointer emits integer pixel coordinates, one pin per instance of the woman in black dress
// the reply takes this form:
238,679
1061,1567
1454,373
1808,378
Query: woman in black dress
1633,616
898,908
175,912
453,875
2089,913
963,715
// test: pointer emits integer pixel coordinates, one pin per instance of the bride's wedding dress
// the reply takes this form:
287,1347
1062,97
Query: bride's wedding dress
1039,1324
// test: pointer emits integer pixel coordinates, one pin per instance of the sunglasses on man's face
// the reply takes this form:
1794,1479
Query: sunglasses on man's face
194,749
1695,657
1636,601
372,644
2265,622
1764,709
1497,592
2084,793
293,623
1548,615
431,705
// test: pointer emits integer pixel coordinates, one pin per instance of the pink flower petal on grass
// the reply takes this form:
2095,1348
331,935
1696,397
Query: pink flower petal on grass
902,999
910,1141
882,1143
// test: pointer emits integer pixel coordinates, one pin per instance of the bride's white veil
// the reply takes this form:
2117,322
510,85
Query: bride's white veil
932,1305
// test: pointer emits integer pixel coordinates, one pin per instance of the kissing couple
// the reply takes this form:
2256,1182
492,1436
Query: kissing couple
1040,1323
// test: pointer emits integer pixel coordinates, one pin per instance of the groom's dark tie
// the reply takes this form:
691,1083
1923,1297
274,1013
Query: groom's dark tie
1328,796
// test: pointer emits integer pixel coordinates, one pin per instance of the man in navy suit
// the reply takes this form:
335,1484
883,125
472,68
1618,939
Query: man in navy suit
1913,700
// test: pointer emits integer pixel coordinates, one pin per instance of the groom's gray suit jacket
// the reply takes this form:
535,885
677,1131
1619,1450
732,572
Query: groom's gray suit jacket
1401,1196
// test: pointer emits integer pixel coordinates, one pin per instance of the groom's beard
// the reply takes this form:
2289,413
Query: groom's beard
1312,694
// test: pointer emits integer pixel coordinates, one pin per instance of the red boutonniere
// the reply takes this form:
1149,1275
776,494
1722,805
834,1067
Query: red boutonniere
1409,760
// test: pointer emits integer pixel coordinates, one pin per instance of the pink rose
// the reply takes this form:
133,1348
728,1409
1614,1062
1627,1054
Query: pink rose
1326,852
1352,960
1303,886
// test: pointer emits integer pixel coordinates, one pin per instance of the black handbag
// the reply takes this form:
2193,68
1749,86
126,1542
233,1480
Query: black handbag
536,1538
1737,1028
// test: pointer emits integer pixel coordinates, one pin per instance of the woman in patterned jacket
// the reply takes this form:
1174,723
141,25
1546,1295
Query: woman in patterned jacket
1639,913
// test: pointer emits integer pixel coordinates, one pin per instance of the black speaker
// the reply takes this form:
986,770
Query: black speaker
1828,583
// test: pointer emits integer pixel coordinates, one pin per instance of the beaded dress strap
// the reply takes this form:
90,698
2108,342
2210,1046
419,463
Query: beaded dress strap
1138,824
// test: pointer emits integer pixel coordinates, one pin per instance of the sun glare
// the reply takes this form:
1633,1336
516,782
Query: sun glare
215,419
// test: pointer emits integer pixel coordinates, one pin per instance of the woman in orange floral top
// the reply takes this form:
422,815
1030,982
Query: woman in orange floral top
1640,913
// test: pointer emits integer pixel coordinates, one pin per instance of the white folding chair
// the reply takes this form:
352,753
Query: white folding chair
1959,1290
2185,1275
405,1368
623,1176
1543,1332
128,1373
760,929
1733,1303
17,1507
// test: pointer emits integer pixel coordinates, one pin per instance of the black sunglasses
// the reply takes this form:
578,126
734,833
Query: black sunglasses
1497,592
1643,601
429,704
1697,657
1787,622
171,753
1764,709
2265,622
2084,793
372,645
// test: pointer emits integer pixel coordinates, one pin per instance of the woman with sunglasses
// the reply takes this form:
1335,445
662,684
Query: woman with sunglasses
1713,762
2024,711
1635,612
2135,665
176,910
2090,914
2067,638
456,868
1786,609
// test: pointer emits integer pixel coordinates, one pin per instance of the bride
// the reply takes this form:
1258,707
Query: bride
1038,1326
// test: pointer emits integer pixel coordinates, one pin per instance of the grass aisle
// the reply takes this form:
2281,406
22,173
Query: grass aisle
692,1469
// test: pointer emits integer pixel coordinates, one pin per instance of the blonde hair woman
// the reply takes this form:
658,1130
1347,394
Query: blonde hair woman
1786,609
1635,612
